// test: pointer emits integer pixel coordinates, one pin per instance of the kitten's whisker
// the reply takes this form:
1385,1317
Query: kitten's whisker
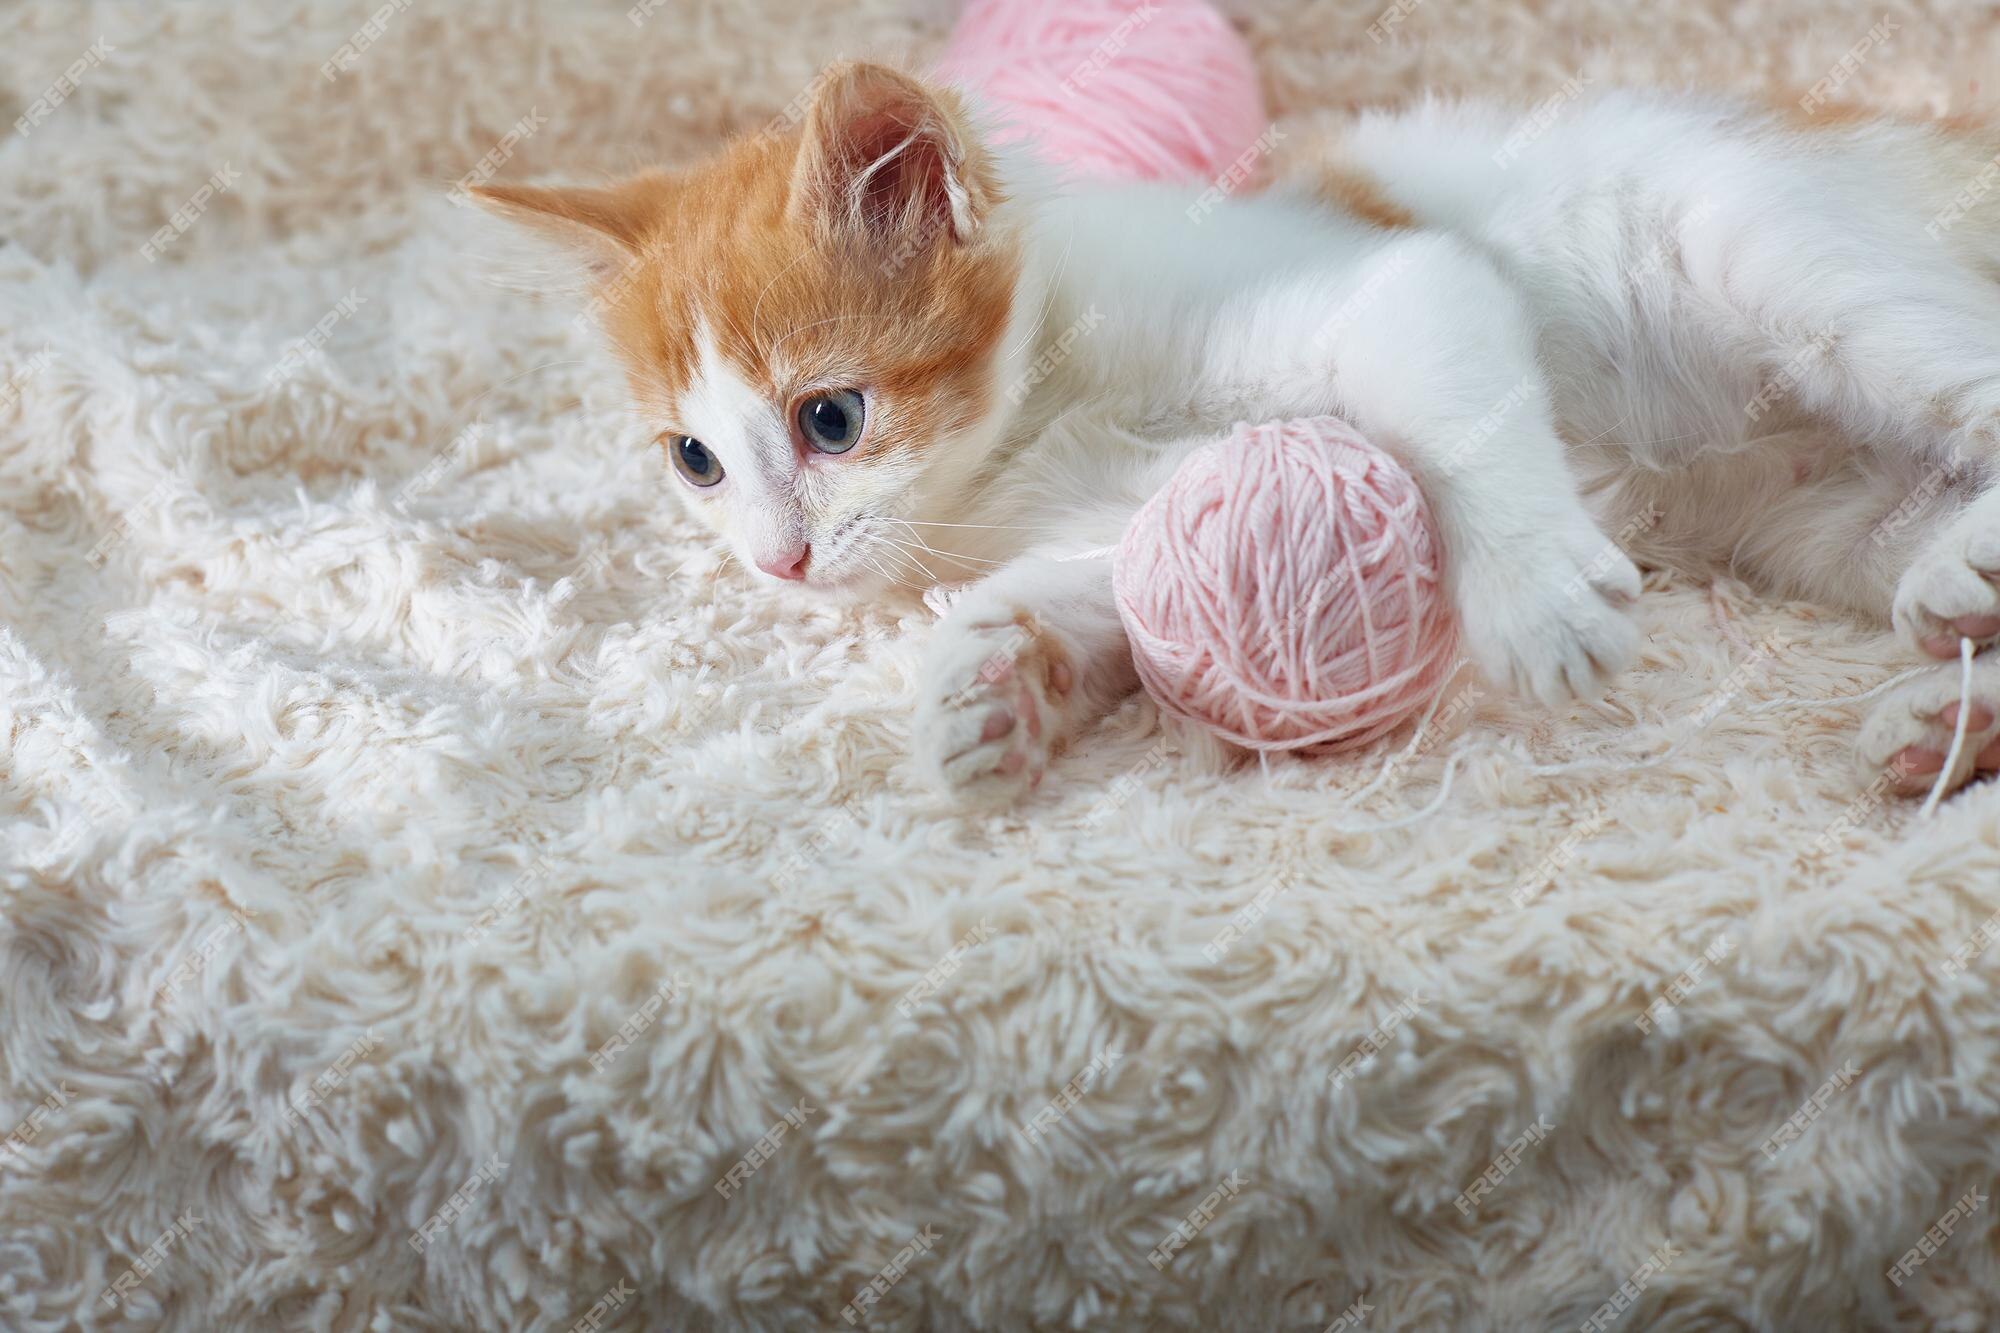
902,554
1601,443
734,322
911,551
942,555
830,319
898,576
531,370
757,308
905,551
706,550
988,527
1049,297
716,576
953,555
868,538
1585,444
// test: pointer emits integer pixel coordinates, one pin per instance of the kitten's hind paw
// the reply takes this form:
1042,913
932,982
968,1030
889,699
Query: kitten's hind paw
1908,733
1952,589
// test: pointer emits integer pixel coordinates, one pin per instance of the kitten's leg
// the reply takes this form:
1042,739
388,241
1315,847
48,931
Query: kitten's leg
1023,660
1433,356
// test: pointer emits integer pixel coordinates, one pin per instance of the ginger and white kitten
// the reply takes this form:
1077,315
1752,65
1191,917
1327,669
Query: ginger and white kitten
877,351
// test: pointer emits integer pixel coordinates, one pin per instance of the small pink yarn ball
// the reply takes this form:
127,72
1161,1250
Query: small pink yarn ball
1284,590
1110,89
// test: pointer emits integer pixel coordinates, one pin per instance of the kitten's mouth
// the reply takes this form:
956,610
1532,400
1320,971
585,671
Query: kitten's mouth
844,578
849,561
830,567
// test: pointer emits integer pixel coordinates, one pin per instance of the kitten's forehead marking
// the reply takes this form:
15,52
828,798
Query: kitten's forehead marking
725,411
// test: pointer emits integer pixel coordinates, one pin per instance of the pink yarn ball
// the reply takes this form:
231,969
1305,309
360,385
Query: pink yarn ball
1284,590
1109,89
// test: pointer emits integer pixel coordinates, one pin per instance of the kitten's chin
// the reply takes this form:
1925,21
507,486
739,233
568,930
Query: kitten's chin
852,585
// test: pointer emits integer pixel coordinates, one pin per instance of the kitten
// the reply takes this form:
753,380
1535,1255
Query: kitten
877,351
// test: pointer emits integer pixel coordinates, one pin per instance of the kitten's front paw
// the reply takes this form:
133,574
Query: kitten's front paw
1951,589
995,691
1546,615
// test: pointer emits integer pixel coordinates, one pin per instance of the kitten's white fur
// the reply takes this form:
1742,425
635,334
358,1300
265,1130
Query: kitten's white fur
1669,305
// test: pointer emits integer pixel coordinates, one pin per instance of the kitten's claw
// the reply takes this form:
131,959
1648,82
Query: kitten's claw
1546,614
993,694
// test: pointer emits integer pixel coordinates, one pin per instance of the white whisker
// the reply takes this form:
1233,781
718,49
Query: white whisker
758,307
987,527
942,555
830,319
1048,300
905,555
706,550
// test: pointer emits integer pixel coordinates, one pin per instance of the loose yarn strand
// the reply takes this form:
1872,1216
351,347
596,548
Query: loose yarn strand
1958,730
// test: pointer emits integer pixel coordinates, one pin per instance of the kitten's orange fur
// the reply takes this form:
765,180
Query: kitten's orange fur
801,281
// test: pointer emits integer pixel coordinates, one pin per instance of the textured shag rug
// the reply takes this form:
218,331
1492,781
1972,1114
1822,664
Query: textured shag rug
436,895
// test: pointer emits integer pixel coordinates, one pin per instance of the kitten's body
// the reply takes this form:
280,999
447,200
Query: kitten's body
1657,306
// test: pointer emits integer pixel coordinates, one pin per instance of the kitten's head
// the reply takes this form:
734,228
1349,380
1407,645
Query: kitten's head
812,322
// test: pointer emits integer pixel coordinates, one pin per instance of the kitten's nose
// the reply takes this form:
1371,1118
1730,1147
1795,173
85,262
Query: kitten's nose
787,564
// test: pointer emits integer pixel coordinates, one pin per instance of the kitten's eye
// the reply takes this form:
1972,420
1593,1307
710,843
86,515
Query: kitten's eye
693,460
831,422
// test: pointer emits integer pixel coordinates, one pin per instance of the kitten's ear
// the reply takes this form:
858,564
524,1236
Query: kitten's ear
885,156
605,226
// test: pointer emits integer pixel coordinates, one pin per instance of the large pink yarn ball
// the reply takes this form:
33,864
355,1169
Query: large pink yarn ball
1284,590
1112,89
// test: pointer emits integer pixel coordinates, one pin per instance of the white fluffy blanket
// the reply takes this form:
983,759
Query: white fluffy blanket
436,895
